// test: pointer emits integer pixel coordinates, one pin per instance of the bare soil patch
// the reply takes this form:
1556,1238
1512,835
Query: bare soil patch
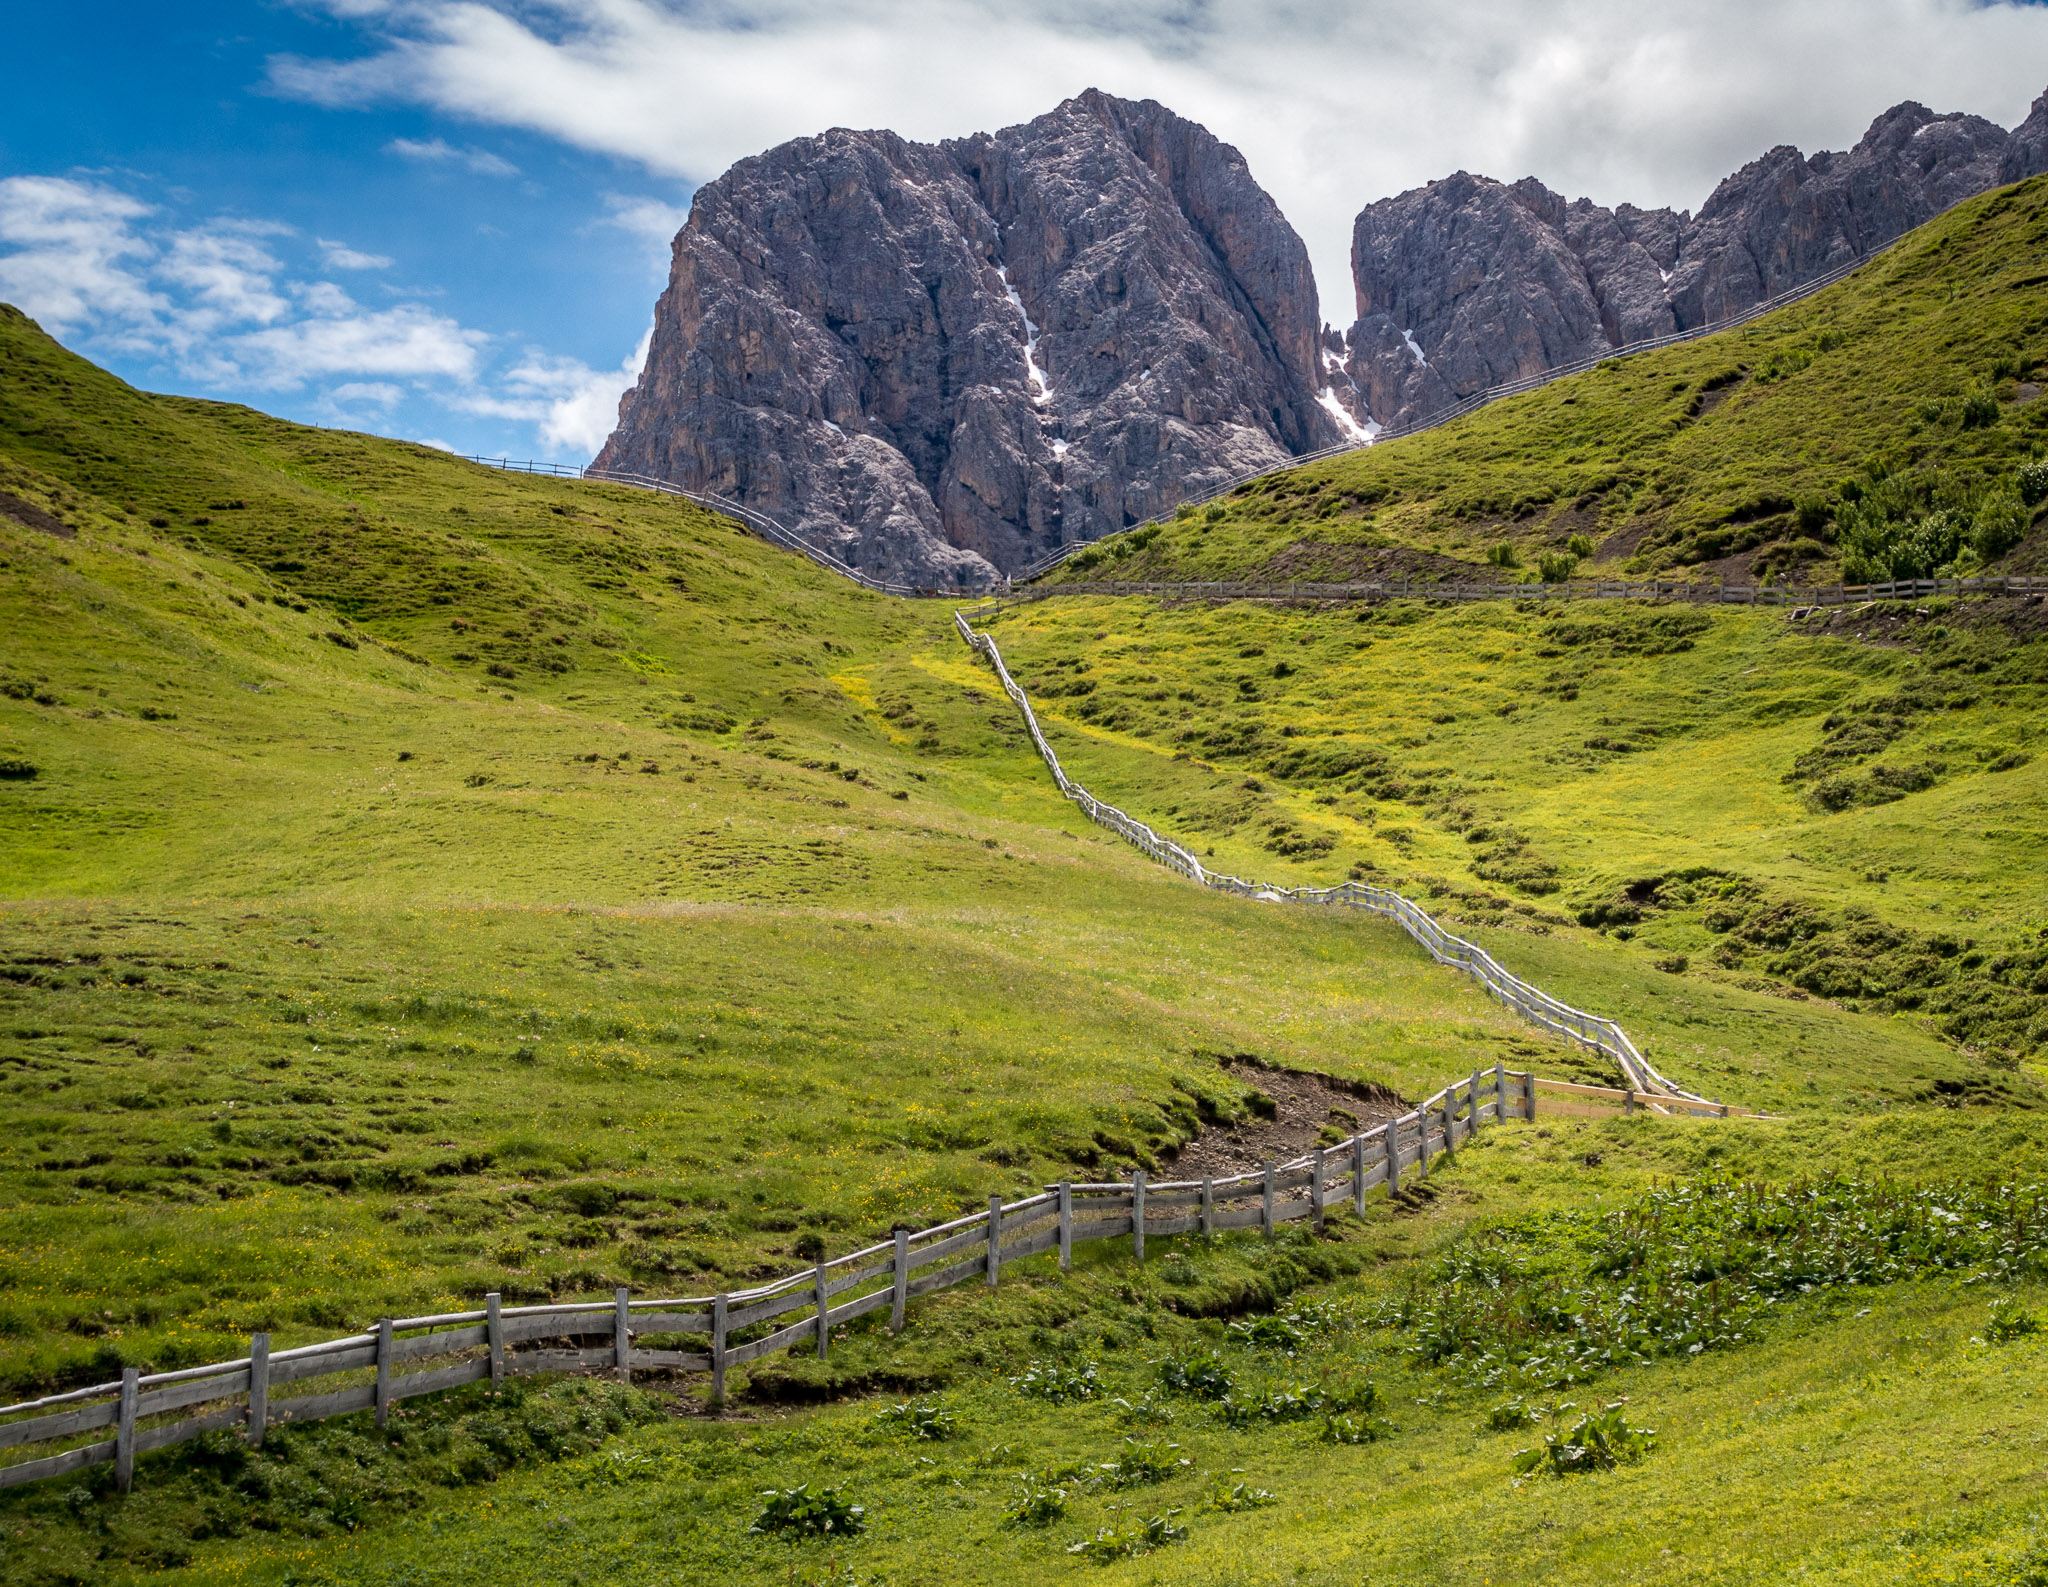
1904,625
30,516
1303,1104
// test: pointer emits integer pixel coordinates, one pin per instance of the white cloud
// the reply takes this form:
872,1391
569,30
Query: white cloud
571,405
213,300
73,252
1334,102
438,151
339,256
376,393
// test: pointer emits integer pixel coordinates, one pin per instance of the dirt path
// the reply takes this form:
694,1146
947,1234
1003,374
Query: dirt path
1303,1103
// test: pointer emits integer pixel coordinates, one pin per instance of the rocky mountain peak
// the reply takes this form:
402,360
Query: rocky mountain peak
944,360
1468,282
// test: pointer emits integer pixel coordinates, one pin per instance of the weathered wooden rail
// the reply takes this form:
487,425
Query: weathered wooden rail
1591,1031
383,1364
1370,591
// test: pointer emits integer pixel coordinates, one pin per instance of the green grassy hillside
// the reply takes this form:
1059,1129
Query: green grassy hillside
1881,428
416,880
346,975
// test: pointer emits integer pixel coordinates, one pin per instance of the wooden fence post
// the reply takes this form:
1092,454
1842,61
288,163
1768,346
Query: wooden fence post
1500,1092
818,1294
383,1370
1138,1213
1472,1106
1393,1145
995,1238
494,1332
1422,1140
259,1388
1208,1203
1066,1226
1315,1185
124,1430
1267,1225
1450,1107
718,1309
1529,1094
1358,1173
900,1295
622,1336
1628,1102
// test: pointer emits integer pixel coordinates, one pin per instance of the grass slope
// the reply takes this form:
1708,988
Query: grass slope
343,976
418,881
1763,452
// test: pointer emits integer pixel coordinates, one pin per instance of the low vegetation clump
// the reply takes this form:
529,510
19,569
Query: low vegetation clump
1695,1266
1129,1537
1595,1441
802,1512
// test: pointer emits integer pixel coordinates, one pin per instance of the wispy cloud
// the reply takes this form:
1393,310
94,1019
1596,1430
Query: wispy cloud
339,256
438,151
1334,102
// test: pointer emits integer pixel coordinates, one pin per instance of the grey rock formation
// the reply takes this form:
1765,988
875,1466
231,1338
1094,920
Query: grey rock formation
1469,282
943,361
2026,153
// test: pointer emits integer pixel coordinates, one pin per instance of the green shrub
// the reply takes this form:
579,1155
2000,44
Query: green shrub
920,1419
822,1514
2031,481
1057,1383
1215,514
2001,522
1033,1505
1142,1464
1504,555
1199,1373
1512,1415
1112,1543
1580,545
1595,1442
14,769
1554,567
1229,1498
1978,409
2010,1321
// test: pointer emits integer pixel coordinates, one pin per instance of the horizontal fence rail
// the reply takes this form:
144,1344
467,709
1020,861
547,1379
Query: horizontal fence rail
1811,597
388,1362
1591,1031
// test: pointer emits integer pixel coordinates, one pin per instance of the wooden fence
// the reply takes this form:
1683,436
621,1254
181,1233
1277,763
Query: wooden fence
1592,1031
382,1365
1813,598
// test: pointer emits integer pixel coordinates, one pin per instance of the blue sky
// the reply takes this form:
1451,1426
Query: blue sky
448,219
483,268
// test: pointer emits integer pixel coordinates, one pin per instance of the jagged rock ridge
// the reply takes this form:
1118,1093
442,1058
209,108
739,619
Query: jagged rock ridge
942,361
1469,282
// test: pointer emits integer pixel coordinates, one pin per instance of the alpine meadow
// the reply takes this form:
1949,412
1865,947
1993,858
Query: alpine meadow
422,882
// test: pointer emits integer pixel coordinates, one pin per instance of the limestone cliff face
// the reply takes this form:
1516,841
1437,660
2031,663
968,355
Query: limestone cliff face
945,360
1469,282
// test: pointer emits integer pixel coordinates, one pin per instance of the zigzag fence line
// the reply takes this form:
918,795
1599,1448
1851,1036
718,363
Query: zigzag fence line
714,1333
1590,1031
